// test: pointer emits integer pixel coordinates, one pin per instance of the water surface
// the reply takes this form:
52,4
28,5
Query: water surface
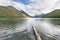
21,29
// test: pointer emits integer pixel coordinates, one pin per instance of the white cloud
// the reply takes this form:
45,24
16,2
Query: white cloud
35,8
41,6
4,2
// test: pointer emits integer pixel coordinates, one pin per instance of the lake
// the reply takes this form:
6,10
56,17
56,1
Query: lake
21,28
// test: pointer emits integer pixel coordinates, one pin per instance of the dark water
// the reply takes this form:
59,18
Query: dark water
21,29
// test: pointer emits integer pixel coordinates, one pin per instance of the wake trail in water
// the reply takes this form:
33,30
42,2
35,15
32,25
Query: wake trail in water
48,29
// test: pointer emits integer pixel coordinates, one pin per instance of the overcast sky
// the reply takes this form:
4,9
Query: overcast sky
33,7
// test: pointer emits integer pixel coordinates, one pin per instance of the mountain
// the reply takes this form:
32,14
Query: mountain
11,12
53,14
38,16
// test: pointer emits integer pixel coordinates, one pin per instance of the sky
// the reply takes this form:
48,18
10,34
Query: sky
26,2
33,7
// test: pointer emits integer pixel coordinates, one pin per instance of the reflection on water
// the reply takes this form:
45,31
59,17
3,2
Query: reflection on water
21,29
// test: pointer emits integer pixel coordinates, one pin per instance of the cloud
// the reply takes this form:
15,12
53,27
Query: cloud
33,7
4,2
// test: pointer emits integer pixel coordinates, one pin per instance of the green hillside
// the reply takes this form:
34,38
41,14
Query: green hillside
53,14
10,12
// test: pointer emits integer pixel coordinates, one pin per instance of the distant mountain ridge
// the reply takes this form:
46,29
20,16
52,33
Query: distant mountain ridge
11,12
38,16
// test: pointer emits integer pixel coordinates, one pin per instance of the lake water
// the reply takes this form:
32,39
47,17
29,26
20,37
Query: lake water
21,29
